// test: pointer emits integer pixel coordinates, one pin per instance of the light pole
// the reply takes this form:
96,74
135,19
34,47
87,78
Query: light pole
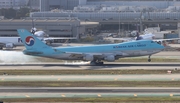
128,26
140,21
122,27
119,24
40,2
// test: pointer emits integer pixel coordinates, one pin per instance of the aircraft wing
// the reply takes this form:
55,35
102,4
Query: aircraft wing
96,55
79,54
122,39
53,38
166,39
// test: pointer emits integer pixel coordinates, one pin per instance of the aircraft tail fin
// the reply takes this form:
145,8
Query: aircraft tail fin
30,41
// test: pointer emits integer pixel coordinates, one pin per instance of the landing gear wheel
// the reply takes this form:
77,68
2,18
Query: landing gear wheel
93,63
96,62
100,63
149,58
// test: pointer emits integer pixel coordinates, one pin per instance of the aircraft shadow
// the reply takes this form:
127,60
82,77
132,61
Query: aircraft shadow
129,65
61,65
93,67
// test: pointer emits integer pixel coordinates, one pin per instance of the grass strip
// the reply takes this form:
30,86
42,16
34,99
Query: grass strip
100,99
84,72
92,84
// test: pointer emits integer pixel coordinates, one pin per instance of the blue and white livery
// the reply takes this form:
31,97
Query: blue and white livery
30,41
95,53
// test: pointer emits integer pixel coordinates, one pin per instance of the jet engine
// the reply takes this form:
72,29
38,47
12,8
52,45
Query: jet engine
9,45
110,58
41,34
88,57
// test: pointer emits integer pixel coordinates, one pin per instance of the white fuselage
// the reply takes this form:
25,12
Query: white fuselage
14,40
146,37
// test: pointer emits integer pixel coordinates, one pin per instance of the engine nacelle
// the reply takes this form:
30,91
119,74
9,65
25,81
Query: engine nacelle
146,37
9,45
110,58
40,34
88,57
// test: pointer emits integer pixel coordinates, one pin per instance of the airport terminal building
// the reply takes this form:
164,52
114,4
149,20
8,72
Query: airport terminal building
62,18
114,12
47,5
95,10
54,28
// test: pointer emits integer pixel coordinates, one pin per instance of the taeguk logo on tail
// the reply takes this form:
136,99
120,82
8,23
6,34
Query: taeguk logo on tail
30,41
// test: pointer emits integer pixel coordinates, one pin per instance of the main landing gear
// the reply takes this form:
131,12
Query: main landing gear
149,58
97,62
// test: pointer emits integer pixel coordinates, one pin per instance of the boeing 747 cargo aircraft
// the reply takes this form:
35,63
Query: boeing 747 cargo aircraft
95,53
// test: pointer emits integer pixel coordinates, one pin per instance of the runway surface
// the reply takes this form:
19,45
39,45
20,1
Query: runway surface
44,92
88,90
87,66
16,60
19,57
149,77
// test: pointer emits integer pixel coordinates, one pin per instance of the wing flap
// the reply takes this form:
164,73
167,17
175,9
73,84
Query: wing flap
96,55
79,54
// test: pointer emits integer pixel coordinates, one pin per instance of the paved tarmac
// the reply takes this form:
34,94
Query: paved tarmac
87,66
89,90
18,57
83,95
54,92
147,77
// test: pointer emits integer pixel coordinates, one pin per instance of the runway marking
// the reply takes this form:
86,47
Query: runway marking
27,96
135,95
59,79
63,95
99,95
171,95
115,79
